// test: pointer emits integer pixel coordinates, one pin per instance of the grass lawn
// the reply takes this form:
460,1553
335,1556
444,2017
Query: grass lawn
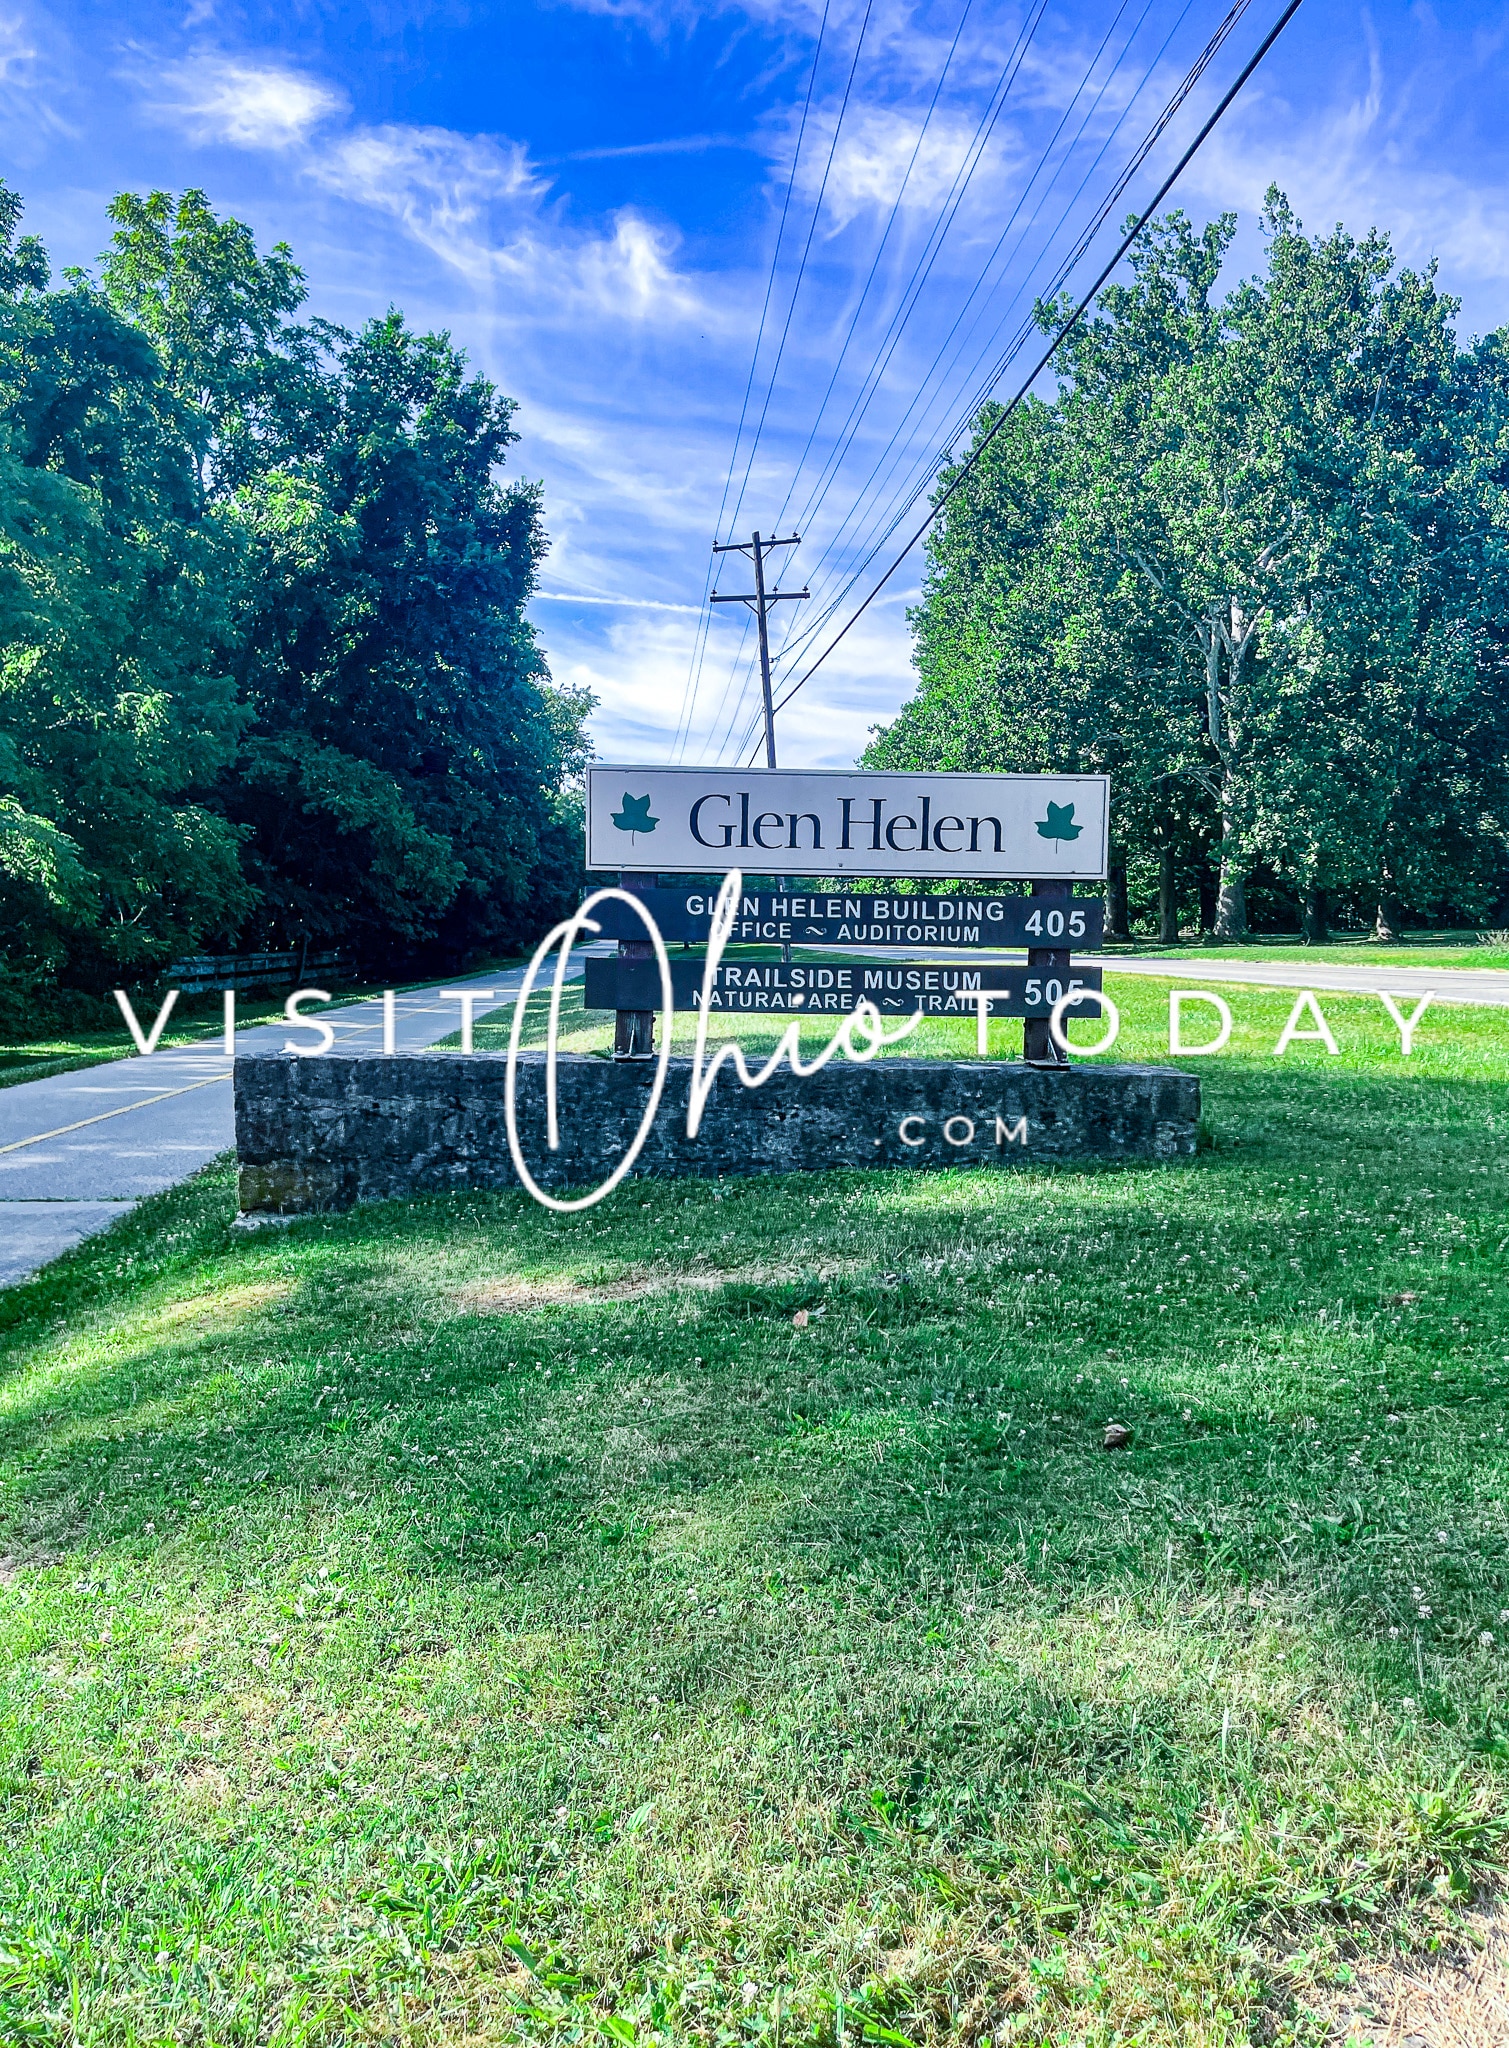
713,1618
195,1020
1422,949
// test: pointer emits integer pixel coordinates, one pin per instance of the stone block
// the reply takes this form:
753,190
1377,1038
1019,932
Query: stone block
328,1132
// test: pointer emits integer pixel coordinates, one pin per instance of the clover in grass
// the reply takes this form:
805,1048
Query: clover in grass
635,815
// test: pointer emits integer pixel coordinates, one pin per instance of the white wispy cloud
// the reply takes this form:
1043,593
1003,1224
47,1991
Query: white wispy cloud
481,206
619,604
635,670
248,104
18,49
886,154
671,145
1364,161
459,195
632,271
33,73
477,203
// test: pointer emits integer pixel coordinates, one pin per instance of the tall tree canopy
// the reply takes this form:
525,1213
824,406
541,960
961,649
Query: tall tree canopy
265,675
1250,562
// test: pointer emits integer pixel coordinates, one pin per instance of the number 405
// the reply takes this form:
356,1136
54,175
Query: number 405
1054,924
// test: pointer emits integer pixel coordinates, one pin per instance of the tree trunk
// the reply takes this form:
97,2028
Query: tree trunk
1208,894
1315,929
1168,898
1231,906
1390,925
1118,914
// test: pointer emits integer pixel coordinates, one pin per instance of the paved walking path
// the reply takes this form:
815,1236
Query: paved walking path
78,1150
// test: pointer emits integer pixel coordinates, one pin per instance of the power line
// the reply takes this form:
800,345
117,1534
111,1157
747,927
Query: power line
932,248
902,501
835,459
885,235
801,269
699,644
882,527
957,480
781,349
921,270
885,463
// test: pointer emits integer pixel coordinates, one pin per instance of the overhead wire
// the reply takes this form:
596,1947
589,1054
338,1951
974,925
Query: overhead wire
1089,233
891,219
922,269
884,523
699,644
828,599
801,269
965,469
901,502
883,359
786,328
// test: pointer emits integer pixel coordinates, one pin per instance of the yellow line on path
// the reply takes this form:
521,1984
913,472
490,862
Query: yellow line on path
105,1114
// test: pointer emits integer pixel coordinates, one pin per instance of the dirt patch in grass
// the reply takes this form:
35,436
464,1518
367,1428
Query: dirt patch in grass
1459,2001
225,1304
517,1297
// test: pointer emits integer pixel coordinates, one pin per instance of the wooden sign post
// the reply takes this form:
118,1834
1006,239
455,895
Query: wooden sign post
1038,1047
634,1030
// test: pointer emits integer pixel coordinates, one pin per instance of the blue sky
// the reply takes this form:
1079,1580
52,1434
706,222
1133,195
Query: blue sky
589,197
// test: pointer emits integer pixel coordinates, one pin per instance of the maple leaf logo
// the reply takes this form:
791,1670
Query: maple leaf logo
1059,823
635,815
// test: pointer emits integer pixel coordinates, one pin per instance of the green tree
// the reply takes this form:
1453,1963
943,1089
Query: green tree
117,699
401,775
401,781
249,379
1268,532
265,674
1039,651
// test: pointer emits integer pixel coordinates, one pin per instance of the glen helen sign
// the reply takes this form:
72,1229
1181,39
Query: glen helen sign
709,820
315,1133
649,821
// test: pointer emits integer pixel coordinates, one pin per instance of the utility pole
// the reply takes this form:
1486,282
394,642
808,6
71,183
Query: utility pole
760,600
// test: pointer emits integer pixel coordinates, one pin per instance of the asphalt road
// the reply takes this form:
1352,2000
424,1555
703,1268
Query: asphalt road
1488,985
78,1150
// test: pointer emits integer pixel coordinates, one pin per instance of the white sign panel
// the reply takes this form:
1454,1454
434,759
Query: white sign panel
779,821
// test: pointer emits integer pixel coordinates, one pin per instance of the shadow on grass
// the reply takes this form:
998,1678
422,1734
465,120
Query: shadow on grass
929,1425
713,1619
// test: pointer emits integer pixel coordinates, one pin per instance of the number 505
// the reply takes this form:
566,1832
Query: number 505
1039,991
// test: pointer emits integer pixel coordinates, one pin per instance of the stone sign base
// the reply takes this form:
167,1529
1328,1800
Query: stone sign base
325,1133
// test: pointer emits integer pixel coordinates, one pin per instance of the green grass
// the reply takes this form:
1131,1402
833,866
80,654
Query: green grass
1451,1039
1421,949
195,1019
455,1623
